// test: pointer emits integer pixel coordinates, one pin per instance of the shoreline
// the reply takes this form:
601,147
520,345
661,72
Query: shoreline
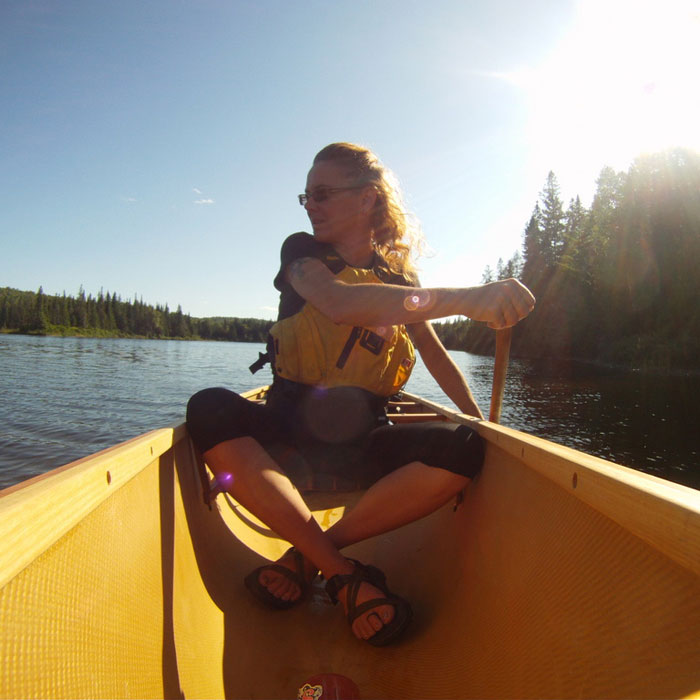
600,365
97,333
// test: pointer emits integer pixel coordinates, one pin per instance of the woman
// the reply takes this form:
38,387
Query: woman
351,311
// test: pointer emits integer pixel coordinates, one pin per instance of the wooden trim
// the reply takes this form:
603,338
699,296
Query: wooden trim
38,512
258,395
416,417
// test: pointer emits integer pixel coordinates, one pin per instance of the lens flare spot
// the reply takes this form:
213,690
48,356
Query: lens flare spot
221,483
411,302
383,331
417,300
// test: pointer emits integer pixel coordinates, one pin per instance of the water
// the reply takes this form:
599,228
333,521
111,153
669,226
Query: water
65,398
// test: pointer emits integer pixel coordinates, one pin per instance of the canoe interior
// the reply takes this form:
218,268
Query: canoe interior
128,585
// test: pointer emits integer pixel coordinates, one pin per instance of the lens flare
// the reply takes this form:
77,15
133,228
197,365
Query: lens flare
417,300
221,483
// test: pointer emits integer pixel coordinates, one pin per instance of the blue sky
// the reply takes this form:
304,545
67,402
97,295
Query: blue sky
156,148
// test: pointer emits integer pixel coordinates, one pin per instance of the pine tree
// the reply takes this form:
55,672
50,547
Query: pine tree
81,318
40,319
533,264
552,222
576,248
178,329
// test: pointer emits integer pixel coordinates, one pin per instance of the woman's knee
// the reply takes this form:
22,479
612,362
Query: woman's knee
213,416
204,406
457,449
470,450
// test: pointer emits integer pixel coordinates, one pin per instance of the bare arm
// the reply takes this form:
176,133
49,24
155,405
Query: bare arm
443,369
500,304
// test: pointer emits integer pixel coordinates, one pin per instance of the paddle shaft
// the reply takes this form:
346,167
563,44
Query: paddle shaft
500,367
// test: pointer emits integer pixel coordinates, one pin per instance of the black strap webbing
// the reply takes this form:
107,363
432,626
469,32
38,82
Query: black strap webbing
263,359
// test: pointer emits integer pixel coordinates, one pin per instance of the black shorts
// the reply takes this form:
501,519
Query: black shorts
325,439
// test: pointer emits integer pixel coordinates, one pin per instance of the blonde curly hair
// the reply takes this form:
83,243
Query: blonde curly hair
396,233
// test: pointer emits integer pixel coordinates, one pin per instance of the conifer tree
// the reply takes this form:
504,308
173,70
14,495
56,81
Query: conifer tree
551,221
487,275
533,264
40,318
81,319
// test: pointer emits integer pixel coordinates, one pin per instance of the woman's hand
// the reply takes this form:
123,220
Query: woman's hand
501,304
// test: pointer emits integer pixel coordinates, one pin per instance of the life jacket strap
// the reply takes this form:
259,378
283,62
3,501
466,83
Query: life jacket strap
263,359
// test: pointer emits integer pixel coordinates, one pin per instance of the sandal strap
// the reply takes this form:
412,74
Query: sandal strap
358,610
364,573
298,576
299,562
336,583
361,574
293,576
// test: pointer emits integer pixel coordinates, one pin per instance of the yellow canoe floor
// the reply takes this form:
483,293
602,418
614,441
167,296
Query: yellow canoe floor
560,576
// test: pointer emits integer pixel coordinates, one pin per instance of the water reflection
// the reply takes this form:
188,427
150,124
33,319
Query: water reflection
64,398
642,421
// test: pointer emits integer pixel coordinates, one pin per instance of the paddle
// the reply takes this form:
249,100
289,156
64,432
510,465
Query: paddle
500,367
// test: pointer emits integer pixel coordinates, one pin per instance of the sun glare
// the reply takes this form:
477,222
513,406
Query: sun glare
622,83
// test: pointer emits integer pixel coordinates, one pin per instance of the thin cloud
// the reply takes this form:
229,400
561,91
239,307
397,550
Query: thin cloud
196,190
521,77
204,201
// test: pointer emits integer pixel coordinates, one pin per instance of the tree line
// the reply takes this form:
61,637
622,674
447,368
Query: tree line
615,283
108,315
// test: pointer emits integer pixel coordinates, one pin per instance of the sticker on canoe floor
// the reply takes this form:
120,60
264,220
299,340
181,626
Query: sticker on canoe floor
310,692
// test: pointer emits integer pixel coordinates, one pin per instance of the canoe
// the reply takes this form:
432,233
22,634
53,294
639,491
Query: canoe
559,575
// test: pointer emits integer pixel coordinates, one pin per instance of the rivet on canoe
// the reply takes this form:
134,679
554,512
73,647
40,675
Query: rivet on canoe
109,478
574,480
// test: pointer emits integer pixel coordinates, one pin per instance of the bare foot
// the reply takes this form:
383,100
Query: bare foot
279,585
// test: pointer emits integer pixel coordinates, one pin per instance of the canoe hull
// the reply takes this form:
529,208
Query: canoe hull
526,590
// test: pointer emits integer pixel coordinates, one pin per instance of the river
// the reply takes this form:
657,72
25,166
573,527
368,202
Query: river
64,398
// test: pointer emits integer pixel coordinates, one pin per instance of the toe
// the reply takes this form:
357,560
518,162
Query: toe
372,622
362,628
279,586
376,622
283,588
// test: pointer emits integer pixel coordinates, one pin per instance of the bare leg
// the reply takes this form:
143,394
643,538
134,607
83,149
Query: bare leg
261,487
401,497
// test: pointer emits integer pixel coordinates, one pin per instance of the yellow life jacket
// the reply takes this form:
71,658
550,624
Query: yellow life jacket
309,348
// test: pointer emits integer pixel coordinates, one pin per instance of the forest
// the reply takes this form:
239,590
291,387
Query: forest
617,283
107,315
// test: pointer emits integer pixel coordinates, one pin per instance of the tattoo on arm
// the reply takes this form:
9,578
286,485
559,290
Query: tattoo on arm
296,268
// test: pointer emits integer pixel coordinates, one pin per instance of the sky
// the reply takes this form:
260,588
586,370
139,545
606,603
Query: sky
155,149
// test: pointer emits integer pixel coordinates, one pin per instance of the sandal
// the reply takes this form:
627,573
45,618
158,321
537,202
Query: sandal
260,592
391,631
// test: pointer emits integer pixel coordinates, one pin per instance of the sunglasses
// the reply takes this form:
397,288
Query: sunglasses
321,194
